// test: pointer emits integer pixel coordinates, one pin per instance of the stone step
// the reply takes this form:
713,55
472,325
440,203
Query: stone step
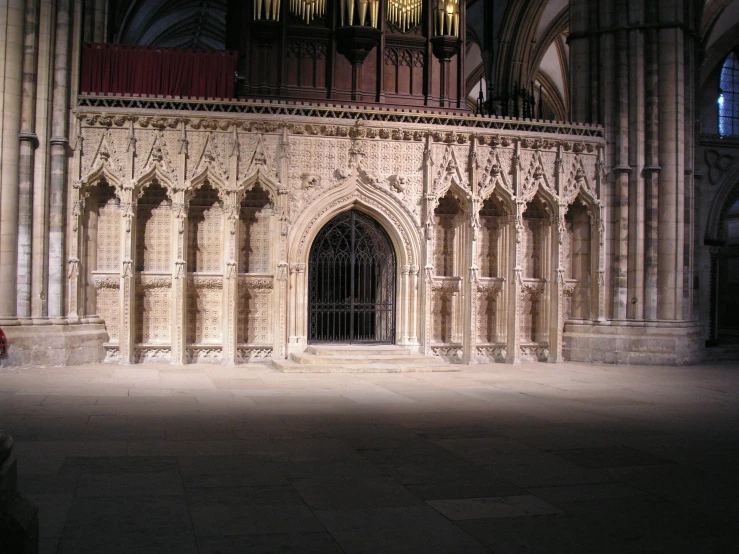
306,358
370,349
331,358
426,365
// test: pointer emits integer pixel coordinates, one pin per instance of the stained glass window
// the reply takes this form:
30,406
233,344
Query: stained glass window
728,99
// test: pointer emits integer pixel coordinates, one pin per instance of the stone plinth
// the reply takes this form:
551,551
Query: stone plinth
634,342
54,345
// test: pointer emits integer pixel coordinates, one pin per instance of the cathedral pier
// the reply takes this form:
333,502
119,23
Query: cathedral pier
12,13
649,172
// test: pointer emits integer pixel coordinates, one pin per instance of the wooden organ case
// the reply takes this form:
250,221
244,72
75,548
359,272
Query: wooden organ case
403,53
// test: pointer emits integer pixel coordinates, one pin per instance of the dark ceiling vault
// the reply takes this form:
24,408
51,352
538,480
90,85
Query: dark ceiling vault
172,23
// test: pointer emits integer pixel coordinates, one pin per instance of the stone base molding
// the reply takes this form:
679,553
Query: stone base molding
634,342
54,345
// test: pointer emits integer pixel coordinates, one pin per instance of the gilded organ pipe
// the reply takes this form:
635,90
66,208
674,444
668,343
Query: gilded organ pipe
360,12
267,9
308,10
446,18
405,14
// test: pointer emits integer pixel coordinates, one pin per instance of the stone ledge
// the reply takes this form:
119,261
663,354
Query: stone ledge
637,342
54,345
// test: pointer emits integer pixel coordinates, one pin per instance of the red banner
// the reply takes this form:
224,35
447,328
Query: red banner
152,71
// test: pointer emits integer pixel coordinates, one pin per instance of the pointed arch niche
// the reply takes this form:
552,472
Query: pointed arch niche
493,261
101,246
451,231
576,260
152,263
536,268
204,268
255,333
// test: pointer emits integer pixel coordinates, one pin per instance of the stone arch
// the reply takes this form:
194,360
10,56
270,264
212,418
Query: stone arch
356,194
545,196
154,174
721,291
458,192
502,196
100,173
259,177
728,193
359,194
207,175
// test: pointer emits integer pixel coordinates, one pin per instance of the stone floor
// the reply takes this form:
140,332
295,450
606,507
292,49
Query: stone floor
533,458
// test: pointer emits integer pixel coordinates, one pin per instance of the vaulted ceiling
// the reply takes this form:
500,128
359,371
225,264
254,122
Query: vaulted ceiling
172,23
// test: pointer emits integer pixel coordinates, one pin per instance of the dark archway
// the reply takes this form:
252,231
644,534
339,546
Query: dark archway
351,282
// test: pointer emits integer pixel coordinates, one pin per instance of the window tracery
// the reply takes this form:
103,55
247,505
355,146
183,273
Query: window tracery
728,99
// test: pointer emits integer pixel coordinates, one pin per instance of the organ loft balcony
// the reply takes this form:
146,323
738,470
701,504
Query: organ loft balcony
398,54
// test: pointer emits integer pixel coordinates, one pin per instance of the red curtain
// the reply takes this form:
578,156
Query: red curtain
151,71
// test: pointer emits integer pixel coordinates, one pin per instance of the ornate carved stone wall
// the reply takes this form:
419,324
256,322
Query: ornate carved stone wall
219,213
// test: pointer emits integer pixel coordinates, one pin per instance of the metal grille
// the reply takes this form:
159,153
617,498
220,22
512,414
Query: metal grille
351,282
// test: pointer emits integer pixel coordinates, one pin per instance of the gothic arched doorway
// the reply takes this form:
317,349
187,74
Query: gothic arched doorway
351,282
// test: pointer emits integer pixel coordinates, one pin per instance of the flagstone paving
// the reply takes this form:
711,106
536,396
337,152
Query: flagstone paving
534,458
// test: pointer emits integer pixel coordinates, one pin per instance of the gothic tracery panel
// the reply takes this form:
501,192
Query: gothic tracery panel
109,237
255,314
108,300
152,311
204,314
445,243
577,262
154,225
489,250
487,311
205,222
255,237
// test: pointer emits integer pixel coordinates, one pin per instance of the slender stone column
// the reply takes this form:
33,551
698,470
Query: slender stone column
59,144
429,201
29,143
301,306
557,290
503,310
620,103
671,177
469,345
557,280
470,284
281,275
126,331
414,315
281,287
11,18
76,308
403,330
178,333
652,167
515,273
40,219
636,158
231,278
293,307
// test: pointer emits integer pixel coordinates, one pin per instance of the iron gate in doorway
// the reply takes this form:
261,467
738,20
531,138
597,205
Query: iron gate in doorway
351,282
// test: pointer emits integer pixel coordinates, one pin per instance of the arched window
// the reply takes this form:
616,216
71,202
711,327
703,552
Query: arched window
728,99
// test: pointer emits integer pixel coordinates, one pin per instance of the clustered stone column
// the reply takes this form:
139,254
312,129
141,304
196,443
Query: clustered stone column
36,259
649,164
12,52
